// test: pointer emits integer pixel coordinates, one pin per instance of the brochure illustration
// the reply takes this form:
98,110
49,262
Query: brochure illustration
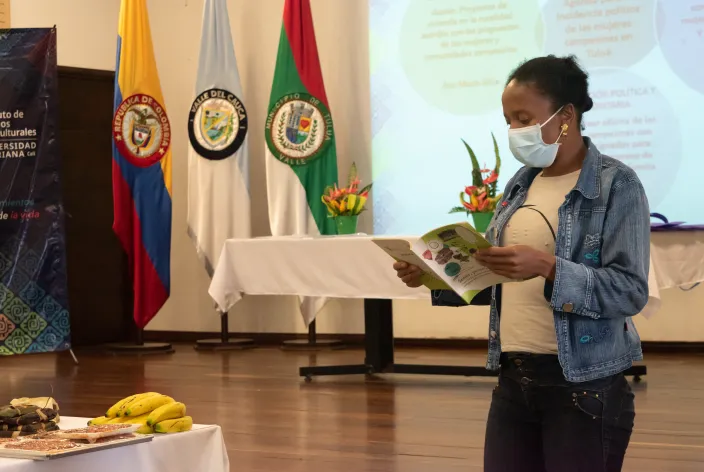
445,257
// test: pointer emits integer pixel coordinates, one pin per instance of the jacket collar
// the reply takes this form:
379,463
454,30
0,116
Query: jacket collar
588,183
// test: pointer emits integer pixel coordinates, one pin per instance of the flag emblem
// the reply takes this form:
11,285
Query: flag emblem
217,124
141,130
298,129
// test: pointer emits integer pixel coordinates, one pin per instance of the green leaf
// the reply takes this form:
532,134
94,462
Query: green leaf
476,170
366,189
497,167
353,174
459,210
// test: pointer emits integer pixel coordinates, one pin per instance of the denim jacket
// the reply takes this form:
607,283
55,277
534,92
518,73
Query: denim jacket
602,249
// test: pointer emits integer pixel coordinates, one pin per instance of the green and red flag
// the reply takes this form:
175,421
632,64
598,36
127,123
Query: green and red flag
301,160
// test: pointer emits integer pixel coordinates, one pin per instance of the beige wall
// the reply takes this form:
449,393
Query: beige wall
87,37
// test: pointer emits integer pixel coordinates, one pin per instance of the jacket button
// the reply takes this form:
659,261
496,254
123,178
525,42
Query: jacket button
518,362
567,307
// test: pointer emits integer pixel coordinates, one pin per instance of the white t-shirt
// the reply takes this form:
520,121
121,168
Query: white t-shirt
527,322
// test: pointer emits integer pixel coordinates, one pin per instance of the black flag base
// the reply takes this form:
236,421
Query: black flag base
139,347
134,349
225,342
312,343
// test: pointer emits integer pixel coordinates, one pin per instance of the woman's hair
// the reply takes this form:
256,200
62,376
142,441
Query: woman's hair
558,78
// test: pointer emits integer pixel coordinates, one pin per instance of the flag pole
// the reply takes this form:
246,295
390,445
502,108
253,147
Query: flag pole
135,155
218,176
298,98
138,346
225,342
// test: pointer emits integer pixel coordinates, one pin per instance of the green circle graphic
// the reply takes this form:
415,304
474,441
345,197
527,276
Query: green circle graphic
457,53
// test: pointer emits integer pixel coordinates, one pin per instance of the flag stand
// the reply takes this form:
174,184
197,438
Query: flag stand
225,343
139,347
312,343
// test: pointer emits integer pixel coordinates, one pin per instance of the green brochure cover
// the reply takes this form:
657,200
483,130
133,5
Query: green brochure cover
445,257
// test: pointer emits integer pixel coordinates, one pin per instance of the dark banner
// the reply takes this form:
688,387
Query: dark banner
33,296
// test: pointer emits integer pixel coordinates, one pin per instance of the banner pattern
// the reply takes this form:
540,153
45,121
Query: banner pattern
34,313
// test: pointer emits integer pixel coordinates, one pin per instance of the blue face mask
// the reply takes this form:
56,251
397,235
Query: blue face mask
528,147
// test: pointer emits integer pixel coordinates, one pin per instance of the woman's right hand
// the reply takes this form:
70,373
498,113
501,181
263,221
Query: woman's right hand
409,274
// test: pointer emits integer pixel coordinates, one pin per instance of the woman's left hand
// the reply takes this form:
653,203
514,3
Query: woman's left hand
517,262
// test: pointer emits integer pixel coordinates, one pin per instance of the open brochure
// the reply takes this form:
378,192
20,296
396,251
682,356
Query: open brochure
445,257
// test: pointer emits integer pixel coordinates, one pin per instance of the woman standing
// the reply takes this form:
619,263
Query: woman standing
574,225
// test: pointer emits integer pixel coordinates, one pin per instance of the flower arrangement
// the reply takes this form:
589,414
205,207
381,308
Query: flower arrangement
349,200
480,197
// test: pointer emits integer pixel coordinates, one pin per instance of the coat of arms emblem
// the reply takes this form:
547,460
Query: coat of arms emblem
141,130
217,124
298,128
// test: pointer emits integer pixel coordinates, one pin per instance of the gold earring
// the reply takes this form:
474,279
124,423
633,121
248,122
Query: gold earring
564,129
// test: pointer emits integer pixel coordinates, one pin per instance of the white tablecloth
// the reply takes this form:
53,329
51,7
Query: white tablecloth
200,449
677,258
354,267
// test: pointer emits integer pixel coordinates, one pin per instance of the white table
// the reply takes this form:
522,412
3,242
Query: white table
354,267
323,266
203,448
677,258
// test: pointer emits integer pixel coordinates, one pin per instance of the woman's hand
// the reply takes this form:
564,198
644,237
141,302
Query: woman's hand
517,262
409,274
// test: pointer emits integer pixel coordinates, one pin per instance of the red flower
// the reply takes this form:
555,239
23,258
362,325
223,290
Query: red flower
493,177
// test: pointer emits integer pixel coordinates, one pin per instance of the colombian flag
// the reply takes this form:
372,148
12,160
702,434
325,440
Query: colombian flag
141,167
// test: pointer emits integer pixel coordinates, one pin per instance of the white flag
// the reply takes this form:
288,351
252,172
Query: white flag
218,176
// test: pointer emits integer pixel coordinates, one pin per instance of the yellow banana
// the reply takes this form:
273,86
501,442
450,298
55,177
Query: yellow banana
169,411
145,429
116,420
99,420
140,420
174,426
115,410
112,411
138,398
146,405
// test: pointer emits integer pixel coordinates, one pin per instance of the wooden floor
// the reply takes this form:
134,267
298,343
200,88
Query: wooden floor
272,420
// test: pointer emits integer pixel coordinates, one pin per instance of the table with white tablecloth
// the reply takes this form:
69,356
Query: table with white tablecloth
203,448
354,267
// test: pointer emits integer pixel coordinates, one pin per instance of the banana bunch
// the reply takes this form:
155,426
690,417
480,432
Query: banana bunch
153,411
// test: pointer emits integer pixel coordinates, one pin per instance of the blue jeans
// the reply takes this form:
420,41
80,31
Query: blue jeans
540,422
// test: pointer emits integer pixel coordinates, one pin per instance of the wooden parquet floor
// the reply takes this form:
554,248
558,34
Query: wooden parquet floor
273,421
